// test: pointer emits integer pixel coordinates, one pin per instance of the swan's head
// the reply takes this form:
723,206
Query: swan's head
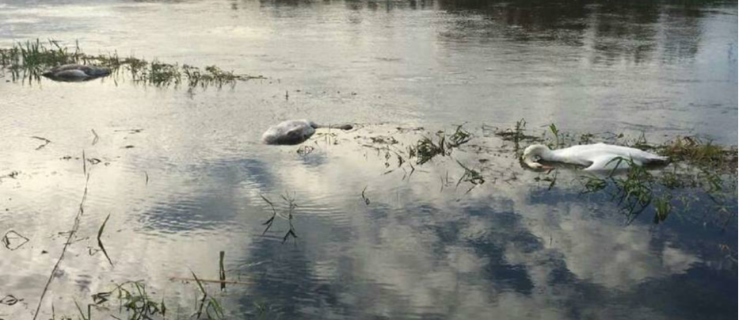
533,154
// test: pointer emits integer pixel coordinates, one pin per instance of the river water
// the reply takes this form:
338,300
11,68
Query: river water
183,176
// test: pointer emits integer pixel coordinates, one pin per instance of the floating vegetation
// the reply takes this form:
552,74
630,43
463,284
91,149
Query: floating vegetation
134,301
364,197
13,240
72,233
29,60
291,208
472,176
100,242
305,150
222,270
516,135
9,300
426,149
700,153
459,137
12,175
383,140
210,305
46,142
555,132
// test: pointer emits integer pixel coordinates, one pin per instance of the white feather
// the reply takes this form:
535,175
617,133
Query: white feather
595,157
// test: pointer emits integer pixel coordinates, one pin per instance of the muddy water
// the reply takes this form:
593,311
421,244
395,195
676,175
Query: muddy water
182,173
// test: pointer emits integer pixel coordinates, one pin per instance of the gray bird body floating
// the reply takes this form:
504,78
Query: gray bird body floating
76,72
293,132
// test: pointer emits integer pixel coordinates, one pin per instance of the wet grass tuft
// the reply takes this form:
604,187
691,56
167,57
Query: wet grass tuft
28,61
427,148
517,135
700,153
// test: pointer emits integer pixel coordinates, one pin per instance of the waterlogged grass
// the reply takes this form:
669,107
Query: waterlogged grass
699,153
427,148
291,206
132,301
517,135
27,61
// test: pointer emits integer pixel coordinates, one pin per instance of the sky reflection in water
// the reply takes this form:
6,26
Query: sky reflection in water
423,247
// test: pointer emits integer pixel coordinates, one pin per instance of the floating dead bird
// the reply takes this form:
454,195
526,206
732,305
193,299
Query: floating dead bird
76,72
596,157
292,132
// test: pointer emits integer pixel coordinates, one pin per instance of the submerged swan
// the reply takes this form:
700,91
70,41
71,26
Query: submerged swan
76,72
595,157
295,131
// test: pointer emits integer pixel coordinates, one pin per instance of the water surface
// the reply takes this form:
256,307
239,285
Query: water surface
182,172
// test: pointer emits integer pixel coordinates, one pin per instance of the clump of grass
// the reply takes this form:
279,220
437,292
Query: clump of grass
426,148
133,301
136,303
30,59
459,137
701,153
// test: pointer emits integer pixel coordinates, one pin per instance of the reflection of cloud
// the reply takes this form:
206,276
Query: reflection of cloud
602,250
434,255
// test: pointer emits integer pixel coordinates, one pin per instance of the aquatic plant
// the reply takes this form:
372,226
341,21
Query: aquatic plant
290,200
472,176
700,153
27,61
516,135
426,149
133,299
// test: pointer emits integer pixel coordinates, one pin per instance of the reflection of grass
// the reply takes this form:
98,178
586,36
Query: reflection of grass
638,189
290,200
472,176
28,60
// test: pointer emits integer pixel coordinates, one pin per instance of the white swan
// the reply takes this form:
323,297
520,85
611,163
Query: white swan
595,157
295,131
76,72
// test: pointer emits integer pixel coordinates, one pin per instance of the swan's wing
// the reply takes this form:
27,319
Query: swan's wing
608,162
637,155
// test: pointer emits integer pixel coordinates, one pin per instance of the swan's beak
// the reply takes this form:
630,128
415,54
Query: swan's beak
531,164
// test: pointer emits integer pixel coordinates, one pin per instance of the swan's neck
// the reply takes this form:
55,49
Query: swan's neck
333,126
549,155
